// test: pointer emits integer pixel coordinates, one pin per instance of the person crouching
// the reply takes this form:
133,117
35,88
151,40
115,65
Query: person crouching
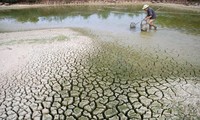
151,16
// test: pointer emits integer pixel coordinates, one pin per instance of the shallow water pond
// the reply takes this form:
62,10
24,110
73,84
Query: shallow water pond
113,18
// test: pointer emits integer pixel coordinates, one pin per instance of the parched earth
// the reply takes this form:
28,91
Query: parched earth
63,74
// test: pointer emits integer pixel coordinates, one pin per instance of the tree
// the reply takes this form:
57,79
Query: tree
9,1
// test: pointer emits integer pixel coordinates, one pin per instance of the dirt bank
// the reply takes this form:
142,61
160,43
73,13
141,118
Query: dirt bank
18,48
179,6
170,5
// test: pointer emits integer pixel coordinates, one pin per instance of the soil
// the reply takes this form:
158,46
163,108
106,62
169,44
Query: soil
17,48
171,5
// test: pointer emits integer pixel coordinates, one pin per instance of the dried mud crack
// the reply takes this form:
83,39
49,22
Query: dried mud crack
70,76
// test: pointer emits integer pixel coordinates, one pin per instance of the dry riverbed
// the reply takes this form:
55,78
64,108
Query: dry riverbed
73,73
63,74
17,48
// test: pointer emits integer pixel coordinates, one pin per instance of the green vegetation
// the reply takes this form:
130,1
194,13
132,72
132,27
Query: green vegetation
9,1
133,63
58,38
126,62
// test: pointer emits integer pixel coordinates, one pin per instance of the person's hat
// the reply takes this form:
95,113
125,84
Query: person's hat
145,6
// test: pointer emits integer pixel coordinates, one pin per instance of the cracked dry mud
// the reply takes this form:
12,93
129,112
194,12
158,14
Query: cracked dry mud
83,78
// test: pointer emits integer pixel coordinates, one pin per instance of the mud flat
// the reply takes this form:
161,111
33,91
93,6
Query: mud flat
17,48
64,74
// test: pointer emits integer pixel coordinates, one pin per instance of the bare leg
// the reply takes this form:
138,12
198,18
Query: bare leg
150,22
150,26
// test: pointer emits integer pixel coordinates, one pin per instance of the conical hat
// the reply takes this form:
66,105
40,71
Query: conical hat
145,6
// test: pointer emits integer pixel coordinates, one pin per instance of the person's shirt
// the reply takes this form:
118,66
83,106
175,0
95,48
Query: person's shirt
151,12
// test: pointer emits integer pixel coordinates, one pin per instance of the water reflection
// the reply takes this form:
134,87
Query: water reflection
114,18
103,20
29,15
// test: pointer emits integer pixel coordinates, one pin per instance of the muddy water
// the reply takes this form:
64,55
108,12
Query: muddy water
104,71
98,17
178,30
